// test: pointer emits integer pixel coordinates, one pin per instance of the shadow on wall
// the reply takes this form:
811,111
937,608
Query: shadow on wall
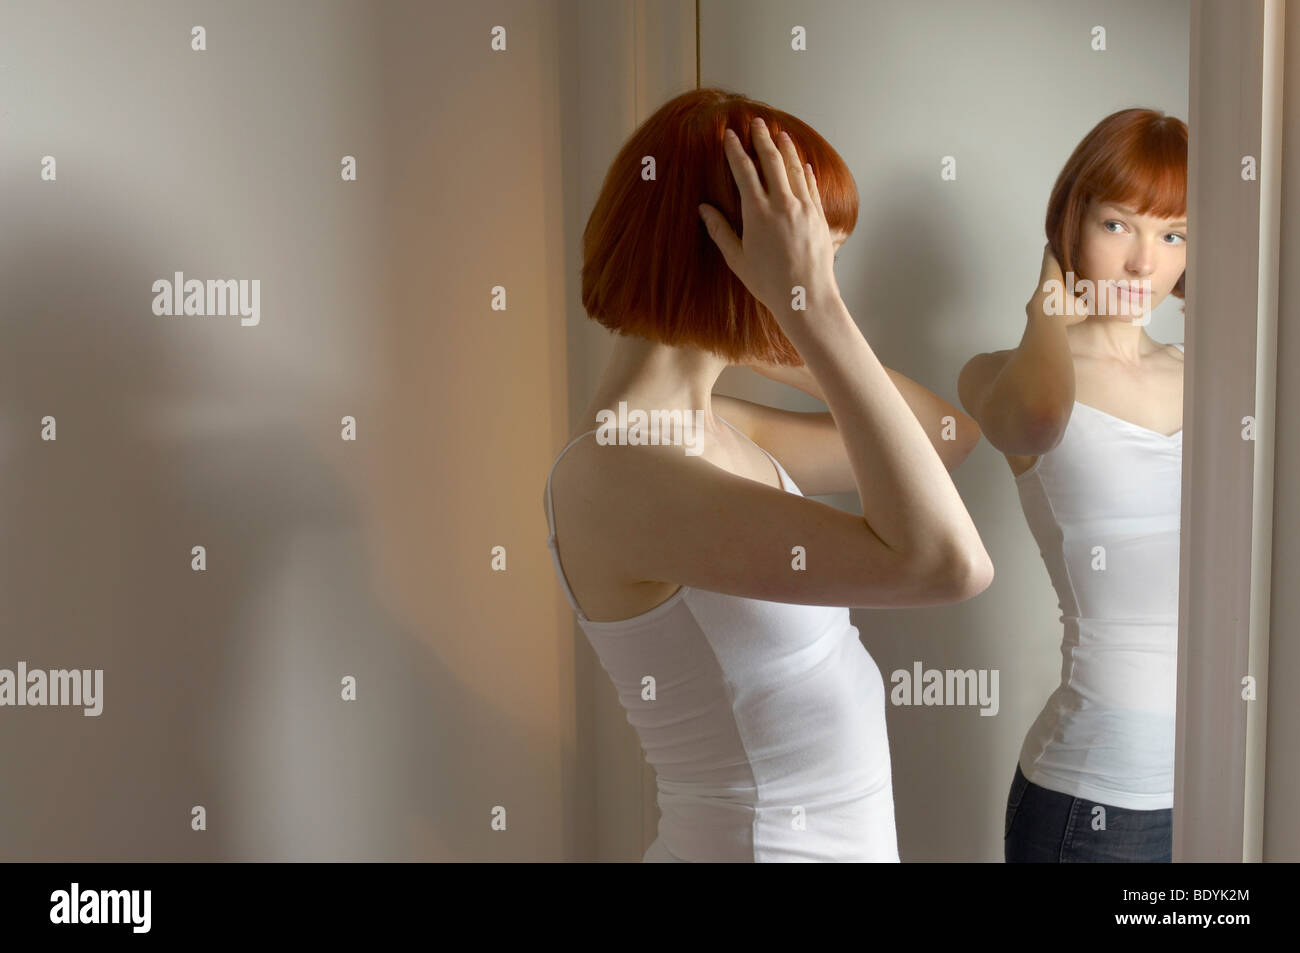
220,688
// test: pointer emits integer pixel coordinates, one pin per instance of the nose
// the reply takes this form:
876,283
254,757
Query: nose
1141,261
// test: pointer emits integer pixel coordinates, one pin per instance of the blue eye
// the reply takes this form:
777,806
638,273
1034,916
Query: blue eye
1181,238
1106,225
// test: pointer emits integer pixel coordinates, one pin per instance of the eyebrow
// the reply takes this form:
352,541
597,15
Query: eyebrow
1128,211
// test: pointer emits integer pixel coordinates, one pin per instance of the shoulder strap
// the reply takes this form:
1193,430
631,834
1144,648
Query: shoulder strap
780,470
550,539
550,515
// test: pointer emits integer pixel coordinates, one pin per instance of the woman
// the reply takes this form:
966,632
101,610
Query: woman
1088,411
713,592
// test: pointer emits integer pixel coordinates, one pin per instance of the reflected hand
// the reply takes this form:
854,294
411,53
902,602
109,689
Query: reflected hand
1052,298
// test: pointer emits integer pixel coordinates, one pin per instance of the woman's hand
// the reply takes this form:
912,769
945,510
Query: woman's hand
787,241
1053,298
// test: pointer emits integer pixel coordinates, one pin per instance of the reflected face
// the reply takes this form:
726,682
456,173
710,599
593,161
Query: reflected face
1121,248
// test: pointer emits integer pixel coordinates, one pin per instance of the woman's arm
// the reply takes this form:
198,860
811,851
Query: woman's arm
686,521
914,544
953,439
1022,398
689,522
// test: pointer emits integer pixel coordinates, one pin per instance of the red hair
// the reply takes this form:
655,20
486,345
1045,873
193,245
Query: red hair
650,268
1136,158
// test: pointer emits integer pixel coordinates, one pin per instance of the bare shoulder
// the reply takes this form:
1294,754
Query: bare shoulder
593,481
601,496
581,472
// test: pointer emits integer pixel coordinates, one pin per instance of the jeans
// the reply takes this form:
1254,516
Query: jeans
1045,826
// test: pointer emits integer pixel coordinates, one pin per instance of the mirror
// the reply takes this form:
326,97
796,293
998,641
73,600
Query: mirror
957,120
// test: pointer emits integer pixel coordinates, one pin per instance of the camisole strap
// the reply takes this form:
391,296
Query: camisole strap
780,470
550,515
550,524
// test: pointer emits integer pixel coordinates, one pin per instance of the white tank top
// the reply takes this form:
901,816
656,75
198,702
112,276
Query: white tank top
1104,507
766,728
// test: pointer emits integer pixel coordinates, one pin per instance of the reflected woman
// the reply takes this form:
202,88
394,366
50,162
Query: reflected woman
714,593
1088,411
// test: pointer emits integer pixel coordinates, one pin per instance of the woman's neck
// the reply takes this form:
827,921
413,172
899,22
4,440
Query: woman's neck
649,376
1114,338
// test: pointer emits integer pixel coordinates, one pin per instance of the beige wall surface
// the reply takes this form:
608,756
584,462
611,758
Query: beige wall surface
325,558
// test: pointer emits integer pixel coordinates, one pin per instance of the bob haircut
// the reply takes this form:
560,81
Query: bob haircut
650,268
1134,157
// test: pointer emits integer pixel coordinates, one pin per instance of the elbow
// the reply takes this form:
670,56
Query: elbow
966,573
1037,430
950,573
1046,426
